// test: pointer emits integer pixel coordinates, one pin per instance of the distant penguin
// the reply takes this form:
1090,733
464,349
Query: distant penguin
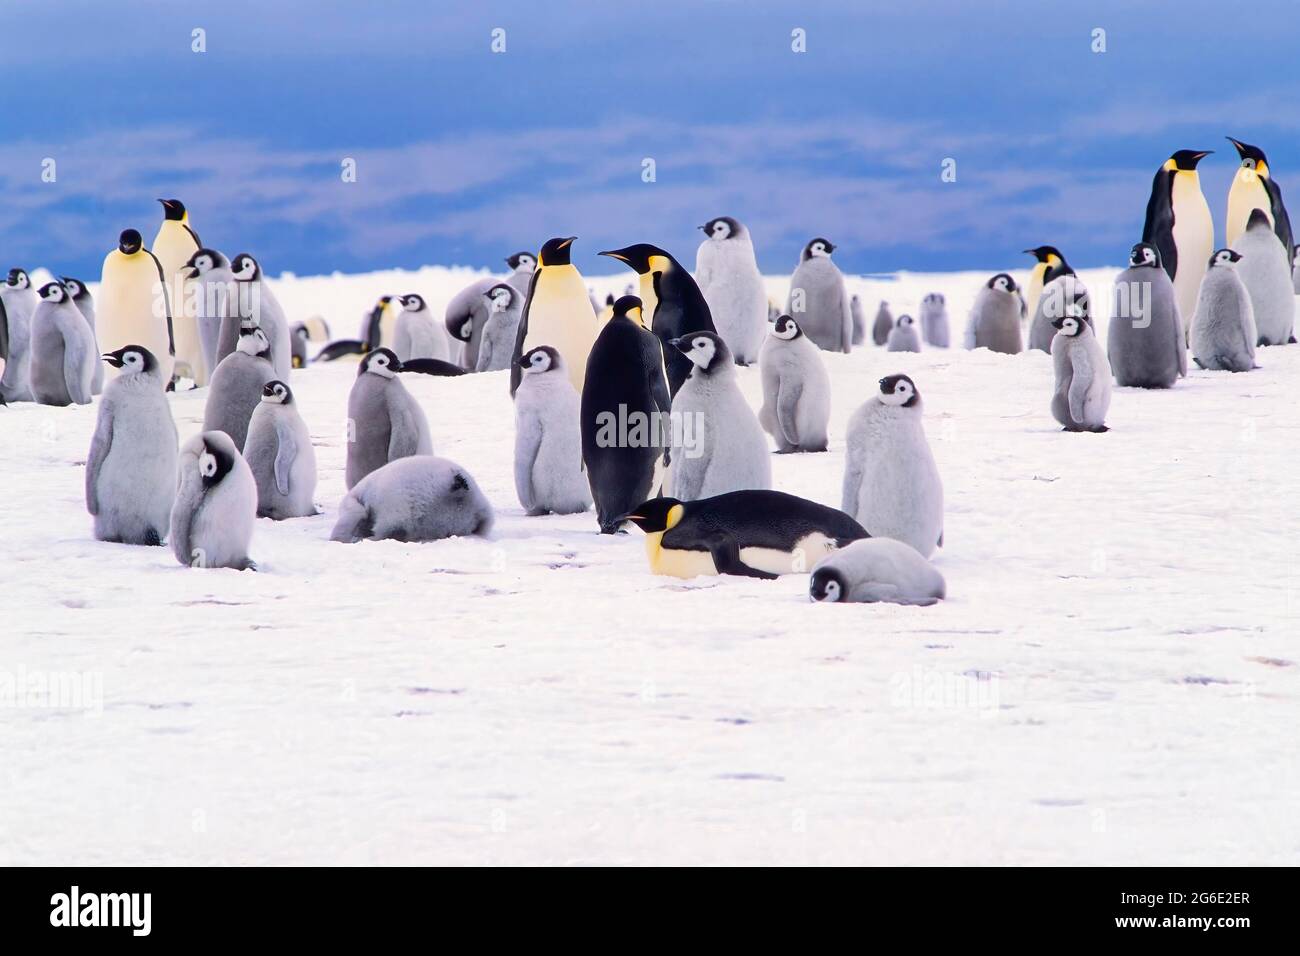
673,305
19,301
557,313
1253,187
883,325
465,318
903,336
257,302
505,306
548,438
1048,264
1224,335
625,415
1083,374
796,390
235,388
280,455
133,306
1295,269
216,505
214,300
380,323
85,304
1179,225
416,498
934,320
757,534
719,446
891,483
876,570
726,271
819,300
1145,341
385,422
522,266
417,336
63,357
1058,294
302,334
994,322
1266,274
859,320
174,246
131,468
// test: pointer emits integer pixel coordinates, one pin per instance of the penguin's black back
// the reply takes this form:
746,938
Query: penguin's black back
1159,227
1281,221
682,310
758,519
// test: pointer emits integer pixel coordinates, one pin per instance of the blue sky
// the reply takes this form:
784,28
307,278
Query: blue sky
464,155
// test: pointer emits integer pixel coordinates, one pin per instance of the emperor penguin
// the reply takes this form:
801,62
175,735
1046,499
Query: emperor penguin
1266,274
85,304
416,498
673,304
131,468
257,302
19,301
883,324
133,307
279,454
859,319
236,384
174,246
505,306
522,266
466,317
819,300
548,438
903,336
216,505
994,322
755,533
934,320
1223,329
718,445
727,273
1048,264
214,302
1179,225
891,483
313,329
557,313
625,415
1057,295
876,570
796,390
63,356
1083,374
417,336
1253,187
1145,341
385,422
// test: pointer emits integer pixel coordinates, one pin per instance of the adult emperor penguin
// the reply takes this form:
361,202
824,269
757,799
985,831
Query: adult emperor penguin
558,313
718,445
796,390
1223,330
903,337
1178,224
819,300
417,335
216,505
256,301
1083,374
19,301
625,415
883,324
1253,187
1266,273
1145,341
85,304
1048,264
994,321
548,438
728,276
133,306
505,306
891,483
385,422
417,498
934,320
173,246
876,570
214,301
63,356
279,453
673,305
236,384
522,266
757,534
131,468
1058,294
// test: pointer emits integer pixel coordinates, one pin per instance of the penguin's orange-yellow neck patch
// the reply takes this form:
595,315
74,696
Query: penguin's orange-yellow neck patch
1053,259
674,516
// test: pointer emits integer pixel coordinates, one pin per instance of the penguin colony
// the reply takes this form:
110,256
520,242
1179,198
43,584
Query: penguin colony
632,405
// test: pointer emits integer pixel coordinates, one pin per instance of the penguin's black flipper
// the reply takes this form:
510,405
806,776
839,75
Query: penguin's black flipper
1159,226
340,348
726,558
432,366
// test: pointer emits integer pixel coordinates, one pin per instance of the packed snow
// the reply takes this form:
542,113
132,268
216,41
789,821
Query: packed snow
1112,679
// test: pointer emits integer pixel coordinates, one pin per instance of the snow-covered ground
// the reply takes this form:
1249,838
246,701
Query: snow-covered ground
1112,680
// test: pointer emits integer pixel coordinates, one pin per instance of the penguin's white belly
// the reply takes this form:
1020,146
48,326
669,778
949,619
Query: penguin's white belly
125,311
173,247
679,563
561,316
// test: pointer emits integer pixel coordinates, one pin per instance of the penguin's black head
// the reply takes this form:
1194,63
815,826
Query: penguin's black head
245,268
641,257
1073,322
828,585
539,360
785,327
1225,257
657,514
133,358
173,210
629,307
461,329
724,227
382,362
215,460
609,301
252,340
129,242
412,302
705,349
17,279
52,292
818,247
1002,282
899,390
502,296
526,260
276,392
76,288
1144,254
934,298
1187,159
1048,254
1258,220
1252,157
203,260
556,252
904,322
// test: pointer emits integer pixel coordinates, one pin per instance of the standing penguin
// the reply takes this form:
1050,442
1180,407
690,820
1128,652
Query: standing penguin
673,304
81,298
1178,224
1048,264
385,422
728,277
819,299
994,322
1223,330
876,569
1266,274
133,306
1145,342
417,336
891,483
719,446
883,325
522,266
505,306
548,438
1253,187
214,301
934,320
796,390
558,313
1058,294
63,356
1083,374
216,505
131,468
174,246
256,301
417,498
279,453
625,409
903,337
19,302
859,319
466,317
236,384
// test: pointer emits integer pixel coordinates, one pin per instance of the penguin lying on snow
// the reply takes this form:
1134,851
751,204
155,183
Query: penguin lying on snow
418,498
876,569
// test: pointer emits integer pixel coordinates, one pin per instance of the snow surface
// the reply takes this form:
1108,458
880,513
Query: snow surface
1111,681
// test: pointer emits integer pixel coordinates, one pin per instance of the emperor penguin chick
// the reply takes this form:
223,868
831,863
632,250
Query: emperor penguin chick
63,356
216,505
505,306
548,437
1266,274
1058,294
85,304
994,322
883,325
934,320
18,302
820,300
1145,342
256,301
417,498
417,336
280,455
236,385
876,569
1083,374
213,299
903,336
385,422
727,274
1223,330
796,389
858,316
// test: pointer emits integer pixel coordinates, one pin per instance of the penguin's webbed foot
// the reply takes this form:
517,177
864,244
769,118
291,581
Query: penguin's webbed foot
248,564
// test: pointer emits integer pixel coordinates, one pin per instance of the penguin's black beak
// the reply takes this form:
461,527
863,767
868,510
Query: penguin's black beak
113,358
703,228
614,254
565,243
680,344
187,271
